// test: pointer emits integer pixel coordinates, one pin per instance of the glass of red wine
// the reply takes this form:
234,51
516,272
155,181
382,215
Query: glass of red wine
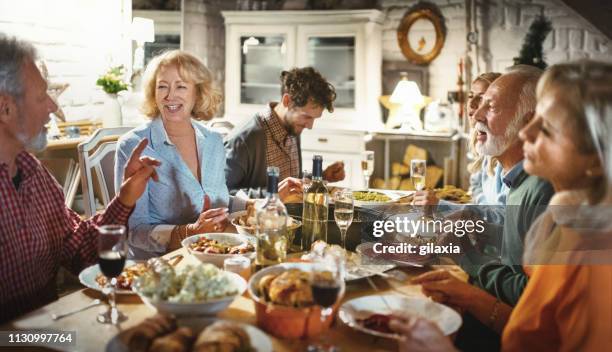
327,283
112,251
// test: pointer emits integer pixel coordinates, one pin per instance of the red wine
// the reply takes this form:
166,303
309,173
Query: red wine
325,293
111,263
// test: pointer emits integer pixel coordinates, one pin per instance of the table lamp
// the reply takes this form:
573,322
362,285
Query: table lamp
143,31
408,96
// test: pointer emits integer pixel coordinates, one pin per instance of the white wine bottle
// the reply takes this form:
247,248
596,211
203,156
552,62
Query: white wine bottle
271,225
316,206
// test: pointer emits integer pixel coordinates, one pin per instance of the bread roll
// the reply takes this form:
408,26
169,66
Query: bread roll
223,336
140,337
177,341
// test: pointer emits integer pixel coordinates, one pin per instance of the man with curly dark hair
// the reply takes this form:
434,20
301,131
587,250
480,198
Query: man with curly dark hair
272,137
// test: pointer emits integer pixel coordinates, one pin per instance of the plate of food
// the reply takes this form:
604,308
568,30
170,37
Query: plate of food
166,333
373,198
356,268
371,314
93,278
214,248
201,289
448,193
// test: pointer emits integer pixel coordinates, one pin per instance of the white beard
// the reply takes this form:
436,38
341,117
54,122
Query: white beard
36,143
493,145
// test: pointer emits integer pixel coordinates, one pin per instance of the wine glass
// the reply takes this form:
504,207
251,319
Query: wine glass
343,212
418,170
367,166
112,251
327,280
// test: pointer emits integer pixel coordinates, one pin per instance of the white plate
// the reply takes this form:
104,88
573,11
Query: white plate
446,318
89,274
259,340
366,251
369,204
356,272
234,239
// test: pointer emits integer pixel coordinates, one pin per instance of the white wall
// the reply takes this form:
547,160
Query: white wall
78,39
503,30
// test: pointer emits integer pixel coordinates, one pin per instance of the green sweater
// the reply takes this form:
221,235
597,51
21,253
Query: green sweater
527,199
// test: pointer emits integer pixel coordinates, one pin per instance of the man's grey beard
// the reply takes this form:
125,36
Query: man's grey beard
497,145
35,144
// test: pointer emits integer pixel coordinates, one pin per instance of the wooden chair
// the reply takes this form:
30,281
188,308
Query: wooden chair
98,153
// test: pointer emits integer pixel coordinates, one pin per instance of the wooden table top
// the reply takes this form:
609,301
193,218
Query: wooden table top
92,336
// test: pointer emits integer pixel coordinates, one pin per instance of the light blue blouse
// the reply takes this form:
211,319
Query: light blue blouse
177,198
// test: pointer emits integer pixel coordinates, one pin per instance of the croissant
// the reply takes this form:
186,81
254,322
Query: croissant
177,341
140,337
223,336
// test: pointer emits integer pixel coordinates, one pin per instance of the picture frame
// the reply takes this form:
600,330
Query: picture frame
421,33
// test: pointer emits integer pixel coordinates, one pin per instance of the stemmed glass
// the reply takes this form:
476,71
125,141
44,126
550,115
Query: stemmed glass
367,166
327,280
343,212
112,251
418,170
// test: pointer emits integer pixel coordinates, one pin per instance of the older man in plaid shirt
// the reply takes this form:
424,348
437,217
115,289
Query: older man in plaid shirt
38,233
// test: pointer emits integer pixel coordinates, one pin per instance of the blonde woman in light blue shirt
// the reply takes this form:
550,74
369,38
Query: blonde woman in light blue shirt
191,195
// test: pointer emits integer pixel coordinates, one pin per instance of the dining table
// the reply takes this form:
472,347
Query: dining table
93,336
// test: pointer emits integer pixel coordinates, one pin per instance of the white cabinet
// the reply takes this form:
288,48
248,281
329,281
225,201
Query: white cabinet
344,45
335,145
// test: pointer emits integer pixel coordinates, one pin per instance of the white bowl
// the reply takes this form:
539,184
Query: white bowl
243,230
233,239
210,307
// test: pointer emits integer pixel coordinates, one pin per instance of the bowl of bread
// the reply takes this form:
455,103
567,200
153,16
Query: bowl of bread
284,306
245,222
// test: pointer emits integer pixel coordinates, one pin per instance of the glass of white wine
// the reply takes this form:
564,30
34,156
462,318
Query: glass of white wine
418,171
343,212
367,166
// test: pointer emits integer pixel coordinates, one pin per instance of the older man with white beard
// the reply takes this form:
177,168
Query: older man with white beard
38,233
508,105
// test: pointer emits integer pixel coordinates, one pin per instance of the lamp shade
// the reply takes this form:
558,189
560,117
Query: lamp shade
406,92
143,30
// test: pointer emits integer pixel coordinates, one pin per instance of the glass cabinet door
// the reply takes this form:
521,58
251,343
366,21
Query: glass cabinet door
334,57
263,57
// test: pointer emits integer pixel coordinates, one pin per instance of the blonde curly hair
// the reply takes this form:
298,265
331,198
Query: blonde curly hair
191,69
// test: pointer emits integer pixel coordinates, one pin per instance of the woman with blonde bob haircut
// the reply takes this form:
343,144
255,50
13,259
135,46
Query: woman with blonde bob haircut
566,304
191,195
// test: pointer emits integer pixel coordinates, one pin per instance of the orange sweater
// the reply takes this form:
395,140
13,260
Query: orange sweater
563,308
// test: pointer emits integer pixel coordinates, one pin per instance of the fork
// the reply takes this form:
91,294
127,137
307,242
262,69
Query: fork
382,297
93,303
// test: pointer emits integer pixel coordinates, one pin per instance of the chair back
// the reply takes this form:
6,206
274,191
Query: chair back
97,153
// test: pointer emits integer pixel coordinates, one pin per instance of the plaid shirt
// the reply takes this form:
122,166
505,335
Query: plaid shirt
281,148
38,233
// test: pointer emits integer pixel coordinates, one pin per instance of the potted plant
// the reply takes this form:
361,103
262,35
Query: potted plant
112,83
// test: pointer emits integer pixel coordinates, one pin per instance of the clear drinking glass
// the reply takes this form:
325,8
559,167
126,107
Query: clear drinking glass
418,171
112,251
367,166
343,212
